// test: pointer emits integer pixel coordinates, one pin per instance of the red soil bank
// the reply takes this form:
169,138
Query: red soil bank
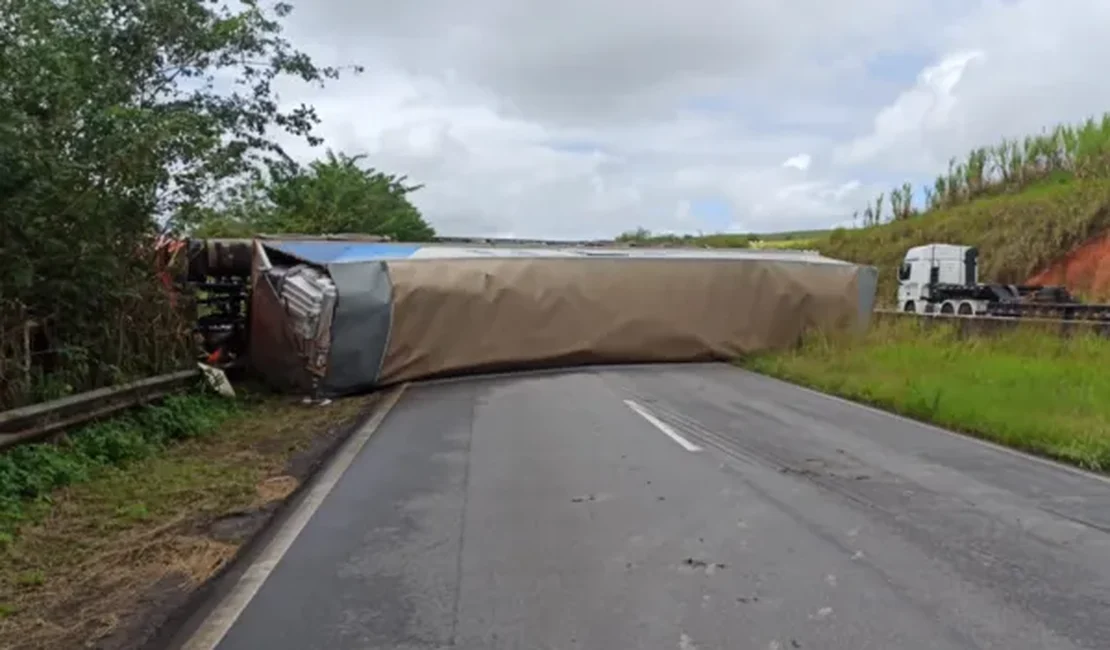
1085,271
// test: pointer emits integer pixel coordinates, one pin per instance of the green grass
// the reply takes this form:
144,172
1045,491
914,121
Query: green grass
30,473
1027,389
790,235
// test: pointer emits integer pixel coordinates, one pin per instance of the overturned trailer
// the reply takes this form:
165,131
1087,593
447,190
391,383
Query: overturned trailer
339,317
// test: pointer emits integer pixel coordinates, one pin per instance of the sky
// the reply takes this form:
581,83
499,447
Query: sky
588,118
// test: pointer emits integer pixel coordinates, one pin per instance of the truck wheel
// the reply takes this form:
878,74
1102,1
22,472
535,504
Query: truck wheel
909,307
947,308
965,309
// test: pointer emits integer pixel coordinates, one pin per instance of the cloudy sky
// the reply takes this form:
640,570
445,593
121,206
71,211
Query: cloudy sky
586,118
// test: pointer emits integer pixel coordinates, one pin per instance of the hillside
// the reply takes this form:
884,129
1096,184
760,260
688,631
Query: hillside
1026,204
1085,270
1018,235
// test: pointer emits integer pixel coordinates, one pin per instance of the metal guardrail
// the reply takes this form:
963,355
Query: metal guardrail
984,324
40,421
46,419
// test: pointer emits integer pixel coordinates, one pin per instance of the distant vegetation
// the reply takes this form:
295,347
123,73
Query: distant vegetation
794,239
644,237
790,235
791,239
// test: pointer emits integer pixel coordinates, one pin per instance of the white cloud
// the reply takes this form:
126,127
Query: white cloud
800,162
1009,70
930,105
582,119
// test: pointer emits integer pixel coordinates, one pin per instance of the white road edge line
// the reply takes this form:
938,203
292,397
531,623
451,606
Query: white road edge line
221,619
661,425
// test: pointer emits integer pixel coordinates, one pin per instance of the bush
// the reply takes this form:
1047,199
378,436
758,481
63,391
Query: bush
644,237
102,148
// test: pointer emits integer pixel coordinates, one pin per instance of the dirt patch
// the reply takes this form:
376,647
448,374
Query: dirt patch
237,527
702,566
1085,271
109,562
277,488
305,459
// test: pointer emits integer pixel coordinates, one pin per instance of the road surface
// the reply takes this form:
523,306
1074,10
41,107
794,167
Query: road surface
685,507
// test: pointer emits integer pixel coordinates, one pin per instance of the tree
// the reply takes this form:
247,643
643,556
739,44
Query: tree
639,235
329,196
901,202
112,126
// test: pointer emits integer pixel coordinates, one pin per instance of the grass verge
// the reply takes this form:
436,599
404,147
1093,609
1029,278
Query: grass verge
785,244
108,534
30,473
1024,388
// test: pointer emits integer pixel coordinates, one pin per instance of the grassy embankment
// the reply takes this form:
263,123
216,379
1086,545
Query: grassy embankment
1024,205
1026,388
105,534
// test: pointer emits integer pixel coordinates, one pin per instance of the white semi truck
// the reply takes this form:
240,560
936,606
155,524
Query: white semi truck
944,279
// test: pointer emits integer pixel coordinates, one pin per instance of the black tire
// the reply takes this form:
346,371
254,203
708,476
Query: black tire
965,309
909,307
947,308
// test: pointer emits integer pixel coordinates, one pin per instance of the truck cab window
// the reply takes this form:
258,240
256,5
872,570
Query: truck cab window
904,272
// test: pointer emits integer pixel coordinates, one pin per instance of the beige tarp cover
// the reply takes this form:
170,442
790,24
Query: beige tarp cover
452,314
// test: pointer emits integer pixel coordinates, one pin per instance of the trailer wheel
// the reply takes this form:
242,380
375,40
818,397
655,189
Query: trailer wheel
909,307
965,309
947,308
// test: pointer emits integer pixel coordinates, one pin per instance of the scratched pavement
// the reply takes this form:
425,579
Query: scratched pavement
689,507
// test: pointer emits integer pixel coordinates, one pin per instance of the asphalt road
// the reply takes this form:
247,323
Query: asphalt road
553,511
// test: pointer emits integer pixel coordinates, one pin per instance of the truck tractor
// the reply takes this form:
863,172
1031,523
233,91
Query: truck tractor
944,279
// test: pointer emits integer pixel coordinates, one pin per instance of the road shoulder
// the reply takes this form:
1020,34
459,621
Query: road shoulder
120,560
